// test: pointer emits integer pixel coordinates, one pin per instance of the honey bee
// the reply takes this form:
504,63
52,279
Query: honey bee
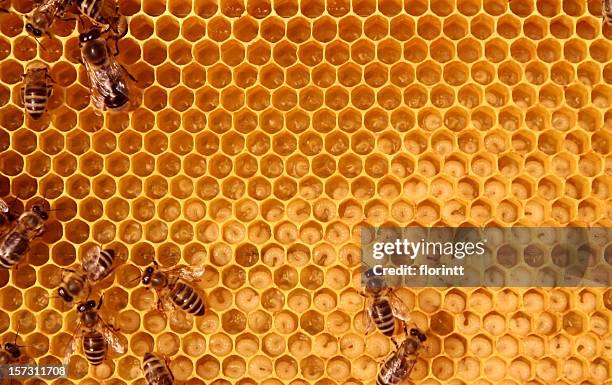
11,352
398,366
15,245
39,22
96,335
156,370
108,78
97,264
383,306
7,217
172,290
105,13
37,89
606,10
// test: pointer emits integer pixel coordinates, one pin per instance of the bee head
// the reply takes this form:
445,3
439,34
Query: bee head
13,349
33,30
92,34
86,306
38,210
147,275
417,333
63,294
373,283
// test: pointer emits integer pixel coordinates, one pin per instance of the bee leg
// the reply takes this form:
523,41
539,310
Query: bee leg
395,342
135,80
116,39
81,20
88,291
168,366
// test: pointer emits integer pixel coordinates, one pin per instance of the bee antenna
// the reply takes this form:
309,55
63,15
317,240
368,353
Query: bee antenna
139,277
40,45
17,332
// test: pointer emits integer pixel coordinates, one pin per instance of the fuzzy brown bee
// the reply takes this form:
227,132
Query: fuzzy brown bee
156,370
108,78
41,18
97,264
37,89
383,306
96,335
11,353
172,290
16,243
398,366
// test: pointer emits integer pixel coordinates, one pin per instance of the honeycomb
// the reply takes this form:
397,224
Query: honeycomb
266,133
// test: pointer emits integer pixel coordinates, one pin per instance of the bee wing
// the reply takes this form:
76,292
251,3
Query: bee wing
188,273
91,255
119,76
112,339
70,349
398,307
4,208
367,313
97,82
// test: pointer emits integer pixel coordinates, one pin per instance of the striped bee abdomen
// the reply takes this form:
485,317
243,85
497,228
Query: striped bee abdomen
393,371
35,100
383,317
94,348
187,299
12,249
100,267
155,370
